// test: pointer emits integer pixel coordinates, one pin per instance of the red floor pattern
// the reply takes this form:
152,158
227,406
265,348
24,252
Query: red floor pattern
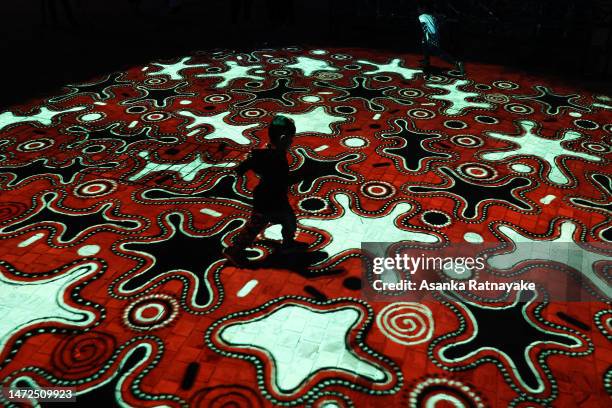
117,197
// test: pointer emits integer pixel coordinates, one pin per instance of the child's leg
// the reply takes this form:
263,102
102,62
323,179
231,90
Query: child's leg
249,232
289,224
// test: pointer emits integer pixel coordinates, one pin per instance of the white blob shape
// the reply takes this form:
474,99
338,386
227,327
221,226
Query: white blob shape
185,102
349,230
311,98
315,121
376,117
222,130
292,336
310,65
548,199
521,168
133,124
457,98
31,240
26,303
174,70
545,149
100,103
562,249
473,237
575,114
89,117
321,148
89,250
355,142
247,288
210,212
392,67
187,171
274,232
44,117
234,71
318,52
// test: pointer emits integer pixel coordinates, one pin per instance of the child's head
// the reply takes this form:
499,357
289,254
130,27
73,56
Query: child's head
281,132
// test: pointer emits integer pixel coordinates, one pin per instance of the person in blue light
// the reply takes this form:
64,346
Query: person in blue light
431,41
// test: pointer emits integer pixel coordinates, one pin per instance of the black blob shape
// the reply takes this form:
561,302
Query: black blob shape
159,96
181,252
101,91
411,149
474,194
383,164
345,109
313,204
486,119
454,124
587,124
310,170
73,223
375,126
172,151
360,91
278,93
554,103
191,372
41,167
607,234
509,331
436,218
352,283
223,189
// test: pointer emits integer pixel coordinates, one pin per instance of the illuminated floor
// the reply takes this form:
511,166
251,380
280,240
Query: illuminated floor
117,197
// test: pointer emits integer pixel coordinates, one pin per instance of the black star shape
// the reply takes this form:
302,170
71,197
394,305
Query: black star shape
553,102
472,195
39,167
510,331
100,91
310,169
361,91
411,149
159,96
180,251
277,93
72,224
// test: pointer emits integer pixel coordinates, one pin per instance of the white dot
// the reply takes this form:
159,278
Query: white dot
88,250
473,237
185,102
354,142
575,115
521,168
91,116
318,52
548,199
311,99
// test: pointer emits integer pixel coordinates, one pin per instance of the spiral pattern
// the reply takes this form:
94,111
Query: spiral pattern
406,323
11,210
82,354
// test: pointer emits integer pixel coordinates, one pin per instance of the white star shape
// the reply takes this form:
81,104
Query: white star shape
457,98
222,130
393,67
44,117
187,171
349,230
302,342
310,65
546,149
173,70
24,304
316,120
234,71
562,249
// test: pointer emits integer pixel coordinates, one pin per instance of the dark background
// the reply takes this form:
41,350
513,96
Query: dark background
565,39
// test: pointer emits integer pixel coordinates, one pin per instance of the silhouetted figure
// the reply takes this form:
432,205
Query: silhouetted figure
271,205
241,9
431,41
50,12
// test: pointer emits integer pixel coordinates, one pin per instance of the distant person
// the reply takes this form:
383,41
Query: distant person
270,201
241,9
431,41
